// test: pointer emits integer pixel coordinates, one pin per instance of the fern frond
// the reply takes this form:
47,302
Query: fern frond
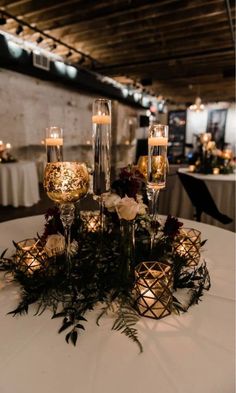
126,320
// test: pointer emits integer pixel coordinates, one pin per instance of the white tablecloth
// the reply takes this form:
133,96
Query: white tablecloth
174,199
19,184
193,352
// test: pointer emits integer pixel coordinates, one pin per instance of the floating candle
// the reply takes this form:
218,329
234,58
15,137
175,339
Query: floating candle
101,119
157,141
54,141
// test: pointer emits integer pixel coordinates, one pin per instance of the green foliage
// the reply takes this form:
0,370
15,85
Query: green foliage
97,277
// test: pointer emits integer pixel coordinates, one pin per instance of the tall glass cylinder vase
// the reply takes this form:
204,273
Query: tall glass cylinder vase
101,120
54,144
157,168
127,232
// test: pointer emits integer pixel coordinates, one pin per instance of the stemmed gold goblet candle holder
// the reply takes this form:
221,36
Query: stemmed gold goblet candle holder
142,165
153,289
66,183
187,244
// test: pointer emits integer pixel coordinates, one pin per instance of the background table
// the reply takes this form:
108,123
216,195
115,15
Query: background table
19,184
193,352
174,199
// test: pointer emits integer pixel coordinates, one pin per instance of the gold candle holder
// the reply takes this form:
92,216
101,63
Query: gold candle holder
187,244
142,165
91,220
153,289
66,182
30,255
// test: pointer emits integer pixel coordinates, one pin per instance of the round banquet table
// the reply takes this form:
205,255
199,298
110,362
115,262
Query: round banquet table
221,188
19,184
193,352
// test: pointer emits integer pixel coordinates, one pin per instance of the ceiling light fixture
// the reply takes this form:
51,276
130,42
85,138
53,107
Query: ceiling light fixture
43,35
197,106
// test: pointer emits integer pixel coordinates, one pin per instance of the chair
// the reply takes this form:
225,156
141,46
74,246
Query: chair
201,198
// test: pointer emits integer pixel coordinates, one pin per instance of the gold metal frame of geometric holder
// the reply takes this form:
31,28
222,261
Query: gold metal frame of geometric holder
91,220
29,255
188,244
153,289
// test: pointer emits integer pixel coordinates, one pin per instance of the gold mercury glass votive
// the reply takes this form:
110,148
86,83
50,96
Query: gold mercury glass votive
153,289
91,220
29,255
187,244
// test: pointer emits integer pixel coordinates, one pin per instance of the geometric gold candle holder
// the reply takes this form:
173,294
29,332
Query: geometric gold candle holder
29,256
153,289
187,244
91,220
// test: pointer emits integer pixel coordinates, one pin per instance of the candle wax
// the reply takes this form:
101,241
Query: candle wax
157,141
54,141
101,119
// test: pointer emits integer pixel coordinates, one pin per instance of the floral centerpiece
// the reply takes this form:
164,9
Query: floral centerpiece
108,267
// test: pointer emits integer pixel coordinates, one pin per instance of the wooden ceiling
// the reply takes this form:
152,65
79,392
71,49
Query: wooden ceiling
174,48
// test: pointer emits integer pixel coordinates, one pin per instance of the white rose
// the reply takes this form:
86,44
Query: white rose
110,201
142,209
55,244
127,208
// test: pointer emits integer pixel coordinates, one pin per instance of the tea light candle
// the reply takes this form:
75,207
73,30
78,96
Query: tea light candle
28,255
216,171
191,168
157,141
153,287
8,146
101,118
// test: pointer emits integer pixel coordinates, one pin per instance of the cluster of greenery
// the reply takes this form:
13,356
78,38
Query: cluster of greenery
98,274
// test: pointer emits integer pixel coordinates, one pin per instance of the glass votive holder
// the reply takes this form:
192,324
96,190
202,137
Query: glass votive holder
216,171
91,220
187,244
29,255
153,289
191,168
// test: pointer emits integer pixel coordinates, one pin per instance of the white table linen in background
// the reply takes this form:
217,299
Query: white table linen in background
174,199
193,352
19,184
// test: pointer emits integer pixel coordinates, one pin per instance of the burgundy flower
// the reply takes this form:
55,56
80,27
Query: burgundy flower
171,227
